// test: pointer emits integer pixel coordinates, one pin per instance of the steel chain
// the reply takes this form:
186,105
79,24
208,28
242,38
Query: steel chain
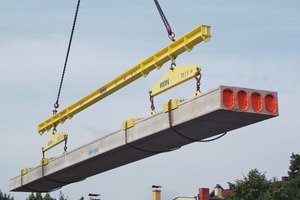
177,132
173,63
171,34
144,150
198,76
65,147
56,105
152,102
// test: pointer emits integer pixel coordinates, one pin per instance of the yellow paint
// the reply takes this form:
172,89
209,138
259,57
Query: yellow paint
129,123
25,171
45,161
174,104
55,139
185,43
174,77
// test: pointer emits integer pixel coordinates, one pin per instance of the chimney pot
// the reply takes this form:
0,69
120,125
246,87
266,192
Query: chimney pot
218,190
203,194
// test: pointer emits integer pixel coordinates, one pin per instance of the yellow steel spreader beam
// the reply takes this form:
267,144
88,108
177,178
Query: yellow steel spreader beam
185,43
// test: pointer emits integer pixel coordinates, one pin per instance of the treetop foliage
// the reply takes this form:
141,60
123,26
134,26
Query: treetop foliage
5,196
255,186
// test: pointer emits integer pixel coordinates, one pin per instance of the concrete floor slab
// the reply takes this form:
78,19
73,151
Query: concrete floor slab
220,110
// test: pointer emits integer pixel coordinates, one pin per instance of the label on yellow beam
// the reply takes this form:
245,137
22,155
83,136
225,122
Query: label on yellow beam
185,43
54,140
174,77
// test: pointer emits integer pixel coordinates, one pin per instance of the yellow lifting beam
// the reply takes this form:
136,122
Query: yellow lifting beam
55,139
174,77
185,43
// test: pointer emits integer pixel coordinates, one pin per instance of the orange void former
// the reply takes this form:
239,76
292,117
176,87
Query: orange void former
271,103
252,100
228,98
243,100
256,102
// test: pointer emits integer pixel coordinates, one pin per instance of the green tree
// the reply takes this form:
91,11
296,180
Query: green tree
276,191
61,196
251,187
294,166
5,196
47,197
31,197
256,186
38,196
35,196
292,188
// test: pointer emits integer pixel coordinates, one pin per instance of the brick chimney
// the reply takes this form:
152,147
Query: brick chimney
203,194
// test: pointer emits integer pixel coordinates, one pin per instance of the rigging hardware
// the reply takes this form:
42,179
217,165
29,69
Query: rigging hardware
173,104
185,43
174,77
55,139
56,104
171,34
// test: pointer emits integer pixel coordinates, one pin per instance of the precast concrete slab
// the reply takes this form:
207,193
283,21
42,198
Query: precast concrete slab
220,110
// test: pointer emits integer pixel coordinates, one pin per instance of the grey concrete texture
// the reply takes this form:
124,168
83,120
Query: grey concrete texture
219,110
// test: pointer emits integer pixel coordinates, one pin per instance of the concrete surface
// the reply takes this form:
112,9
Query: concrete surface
209,114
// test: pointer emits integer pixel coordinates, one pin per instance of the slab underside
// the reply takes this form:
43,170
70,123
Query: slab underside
199,118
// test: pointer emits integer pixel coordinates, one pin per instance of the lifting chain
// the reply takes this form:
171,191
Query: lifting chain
152,103
173,63
170,117
56,105
198,76
171,34
145,150
65,147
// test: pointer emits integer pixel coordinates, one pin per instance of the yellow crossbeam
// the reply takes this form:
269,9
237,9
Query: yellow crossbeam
55,139
185,43
174,77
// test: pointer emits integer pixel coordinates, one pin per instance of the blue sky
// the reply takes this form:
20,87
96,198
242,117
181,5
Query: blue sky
254,44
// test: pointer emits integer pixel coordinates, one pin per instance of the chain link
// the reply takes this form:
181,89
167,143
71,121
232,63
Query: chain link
56,105
54,130
171,34
198,76
177,132
152,102
144,150
173,63
65,147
